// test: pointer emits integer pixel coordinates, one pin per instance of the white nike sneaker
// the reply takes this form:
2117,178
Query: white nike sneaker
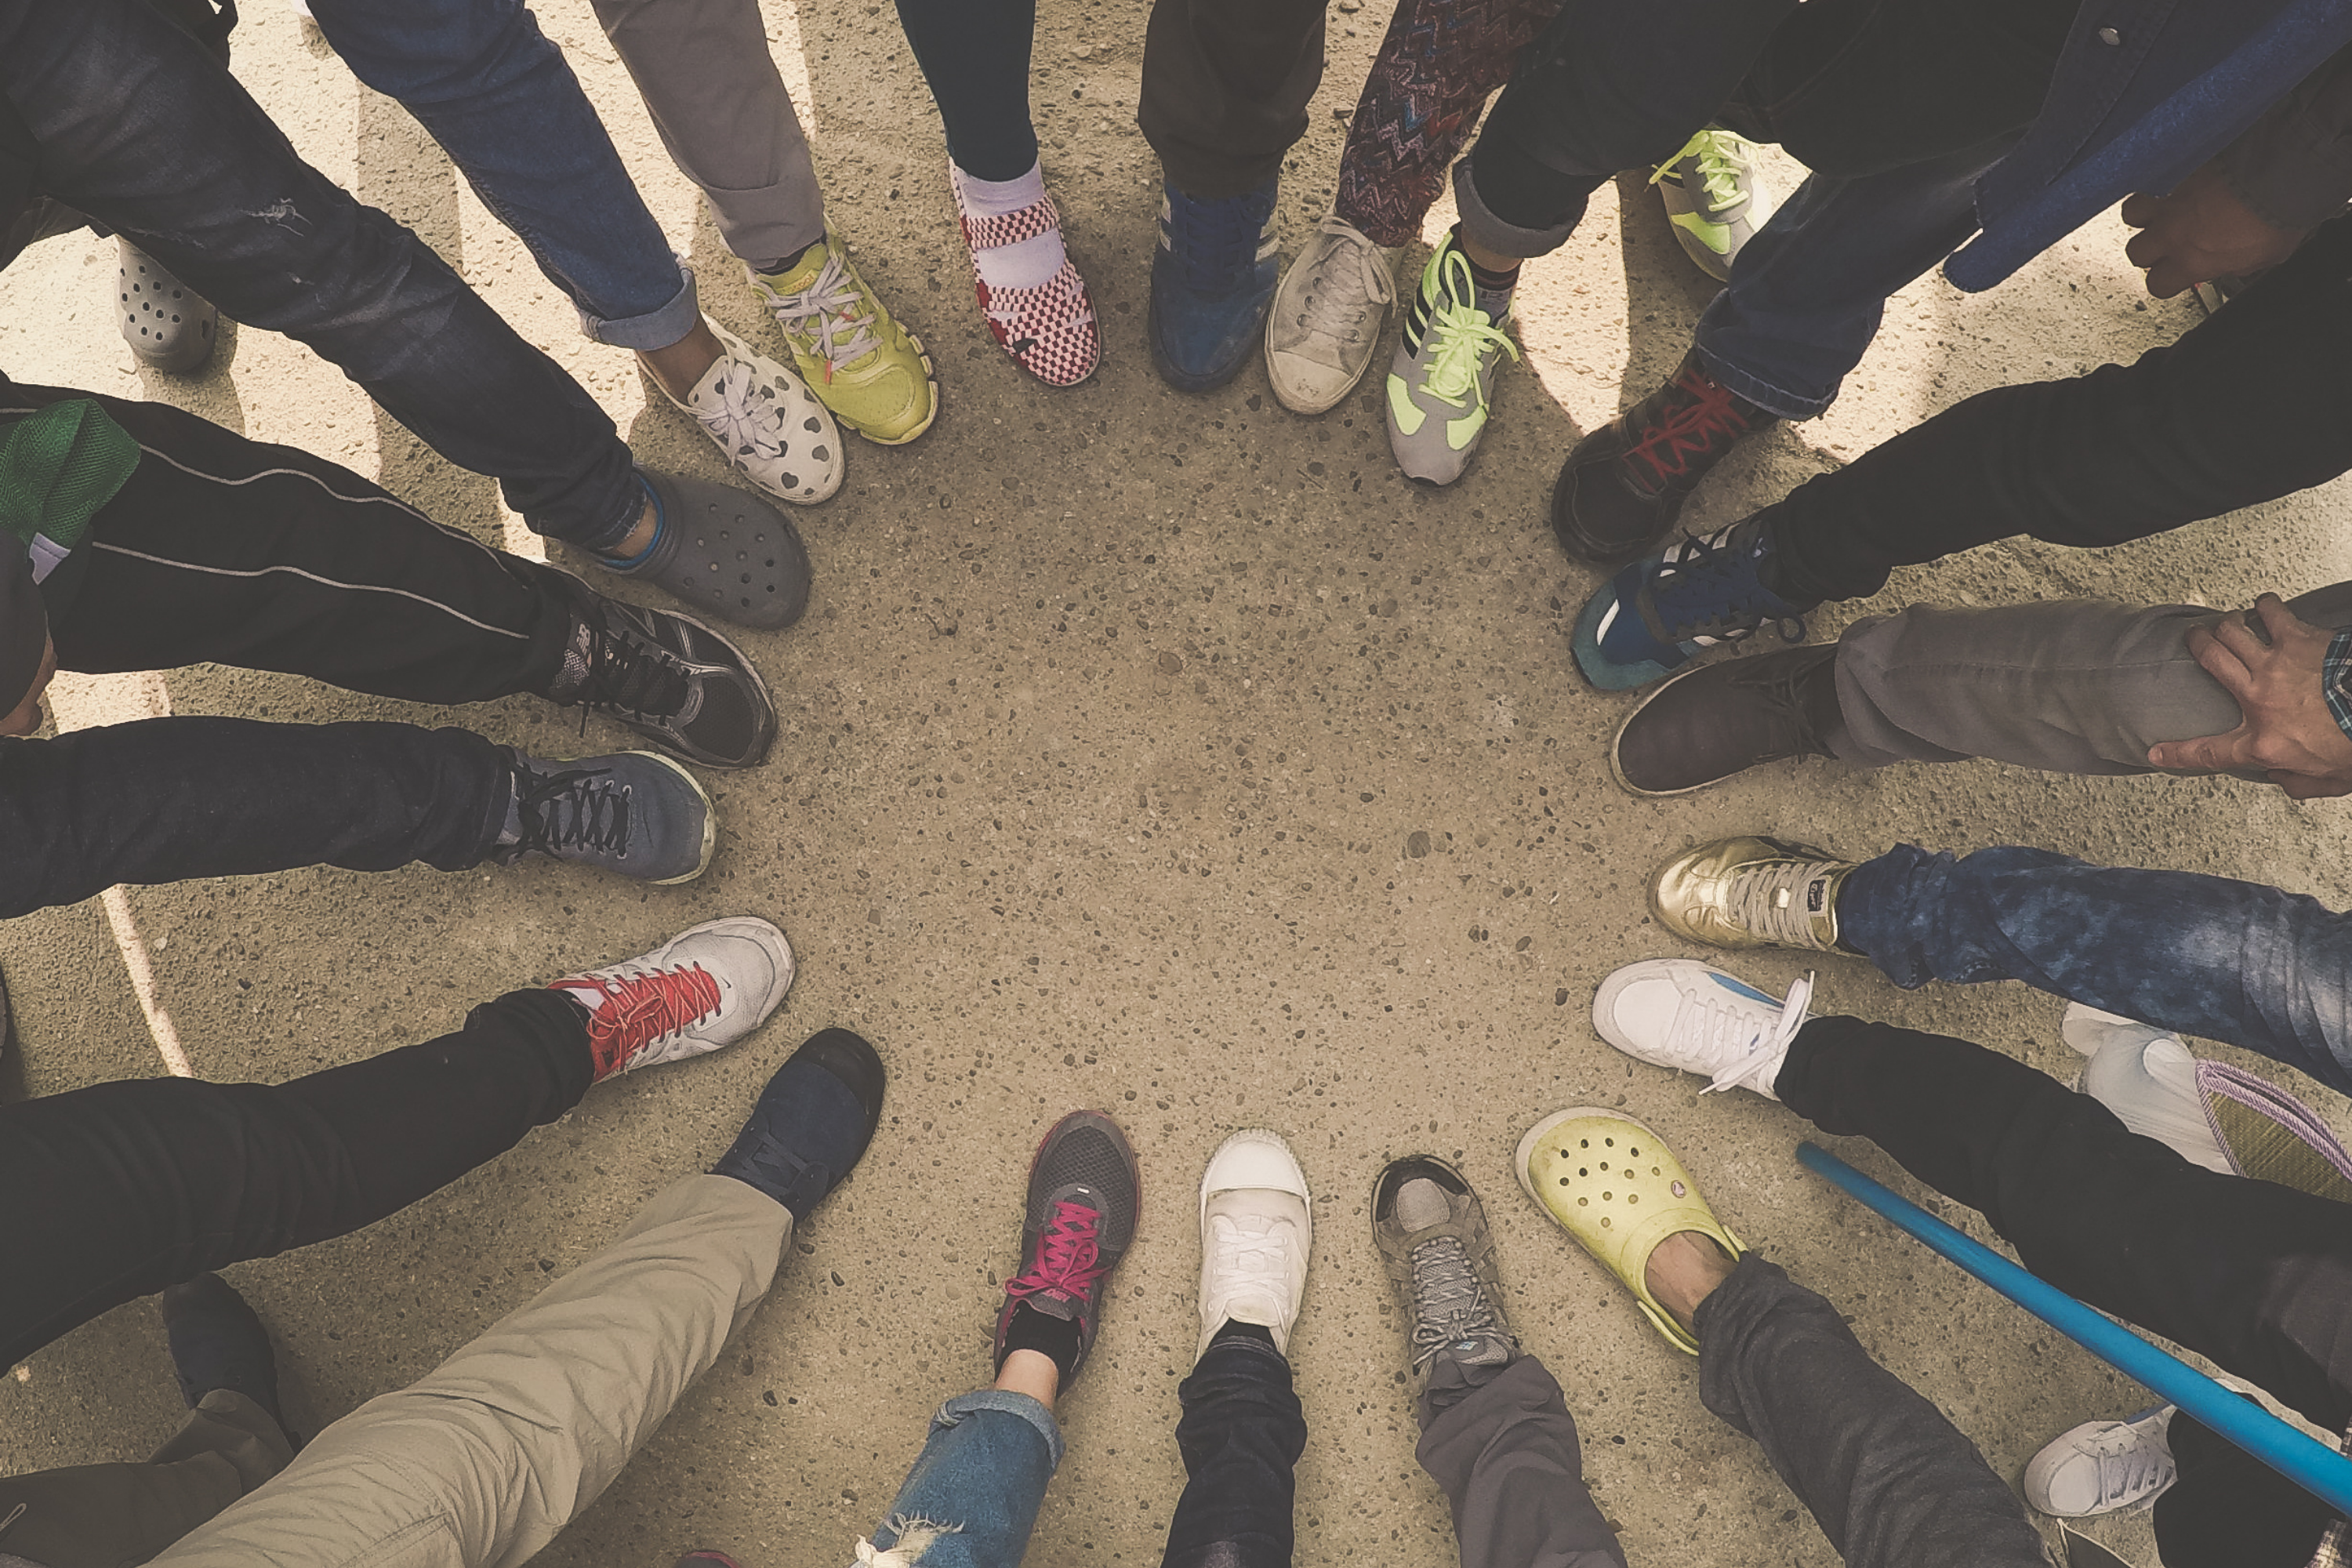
2148,1078
1692,1017
2103,1466
1255,1231
704,989
766,421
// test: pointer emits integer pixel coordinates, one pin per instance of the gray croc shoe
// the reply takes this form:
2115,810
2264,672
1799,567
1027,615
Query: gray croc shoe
167,324
725,552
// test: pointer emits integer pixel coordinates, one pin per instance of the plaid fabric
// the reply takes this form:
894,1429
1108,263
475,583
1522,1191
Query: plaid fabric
2333,674
1437,64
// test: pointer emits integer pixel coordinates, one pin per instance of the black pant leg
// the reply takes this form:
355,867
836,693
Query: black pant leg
2229,1510
1241,1436
2245,408
1225,88
2255,1276
119,1190
223,551
164,800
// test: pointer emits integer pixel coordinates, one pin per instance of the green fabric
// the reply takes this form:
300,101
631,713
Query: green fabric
58,467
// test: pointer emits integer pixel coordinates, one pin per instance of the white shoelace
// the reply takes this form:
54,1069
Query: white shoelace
743,419
1351,277
1253,1257
827,313
1449,1303
2128,1464
1735,1039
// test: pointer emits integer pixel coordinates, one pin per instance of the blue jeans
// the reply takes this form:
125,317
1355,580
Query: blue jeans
143,130
980,1479
481,78
2236,962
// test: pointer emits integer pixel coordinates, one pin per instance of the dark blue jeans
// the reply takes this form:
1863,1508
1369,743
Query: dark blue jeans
2237,962
1240,1437
481,78
143,130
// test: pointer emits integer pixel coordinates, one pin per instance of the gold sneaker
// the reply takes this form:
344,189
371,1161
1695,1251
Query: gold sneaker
860,362
1751,892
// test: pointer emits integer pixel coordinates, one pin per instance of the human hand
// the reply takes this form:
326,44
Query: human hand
27,716
2287,729
2200,232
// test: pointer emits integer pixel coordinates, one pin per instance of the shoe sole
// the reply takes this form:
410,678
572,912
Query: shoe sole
1617,769
709,818
1612,676
931,375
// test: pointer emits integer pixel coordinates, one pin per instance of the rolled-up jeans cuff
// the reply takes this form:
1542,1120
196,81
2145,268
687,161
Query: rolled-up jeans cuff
1771,399
1480,226
1011,1403
654,329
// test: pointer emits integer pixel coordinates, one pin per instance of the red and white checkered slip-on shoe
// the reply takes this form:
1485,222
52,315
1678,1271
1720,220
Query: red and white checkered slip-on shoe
1049,331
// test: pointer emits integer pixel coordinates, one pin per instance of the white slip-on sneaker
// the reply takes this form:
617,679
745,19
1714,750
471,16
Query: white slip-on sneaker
1328,309
704,989
2148,1078
1692,1017
2103,1466
1255,1233
767,422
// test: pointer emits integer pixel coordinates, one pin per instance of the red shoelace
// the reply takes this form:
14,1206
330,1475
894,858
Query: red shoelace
1068,1259
642,1009
1690,430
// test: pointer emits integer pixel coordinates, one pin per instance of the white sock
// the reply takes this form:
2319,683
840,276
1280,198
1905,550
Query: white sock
1027,265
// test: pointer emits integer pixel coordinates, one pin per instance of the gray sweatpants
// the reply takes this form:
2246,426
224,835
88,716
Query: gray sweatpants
2070,686
1890,1482
704,70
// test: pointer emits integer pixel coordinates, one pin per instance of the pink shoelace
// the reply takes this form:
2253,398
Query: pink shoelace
1068,1259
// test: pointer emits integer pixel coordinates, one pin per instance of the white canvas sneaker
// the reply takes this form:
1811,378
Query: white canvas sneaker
1328,309
1679,1013
1256,1231
766,421
2103,1466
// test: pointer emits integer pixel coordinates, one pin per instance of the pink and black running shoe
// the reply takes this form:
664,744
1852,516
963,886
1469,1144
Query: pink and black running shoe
1084,1194
1050,330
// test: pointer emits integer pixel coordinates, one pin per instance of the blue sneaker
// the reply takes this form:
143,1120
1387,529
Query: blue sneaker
811,1123
1213,278
1655,616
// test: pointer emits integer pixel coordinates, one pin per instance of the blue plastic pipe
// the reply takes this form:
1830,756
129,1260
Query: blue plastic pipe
2309,1464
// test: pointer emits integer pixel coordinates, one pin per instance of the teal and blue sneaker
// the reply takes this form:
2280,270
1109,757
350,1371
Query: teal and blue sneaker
1660,613
1441,378
1713,199
1213,278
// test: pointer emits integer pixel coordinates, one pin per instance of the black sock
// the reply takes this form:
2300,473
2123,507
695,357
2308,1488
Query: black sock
1230,1329
788,263
1056,1339
1493,289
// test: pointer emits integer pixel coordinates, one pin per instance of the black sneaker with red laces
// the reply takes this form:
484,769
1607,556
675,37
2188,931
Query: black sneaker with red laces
1622,489
1084,1194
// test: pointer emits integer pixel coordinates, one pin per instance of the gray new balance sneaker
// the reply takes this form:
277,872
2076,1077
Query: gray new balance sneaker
1713,199
1431,1233
631,813
1328,313
1443,374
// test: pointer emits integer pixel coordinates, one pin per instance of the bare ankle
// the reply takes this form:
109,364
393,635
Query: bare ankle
1684,1270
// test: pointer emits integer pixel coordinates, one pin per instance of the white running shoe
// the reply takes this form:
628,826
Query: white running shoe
2101,1467
1328,313
2148,1078
1255,1231
1679,1013
772,428
704,989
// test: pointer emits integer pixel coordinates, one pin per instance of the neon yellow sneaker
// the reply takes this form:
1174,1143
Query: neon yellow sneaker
1713,198
860,362
1444,371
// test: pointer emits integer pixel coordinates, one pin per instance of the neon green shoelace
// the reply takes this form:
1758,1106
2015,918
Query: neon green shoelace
1464,336
1721,162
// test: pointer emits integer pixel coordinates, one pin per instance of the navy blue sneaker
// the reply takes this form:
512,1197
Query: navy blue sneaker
1698,593
217,1343
1213,278
811,1123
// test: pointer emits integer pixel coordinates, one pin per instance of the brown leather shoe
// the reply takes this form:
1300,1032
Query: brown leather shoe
1721,718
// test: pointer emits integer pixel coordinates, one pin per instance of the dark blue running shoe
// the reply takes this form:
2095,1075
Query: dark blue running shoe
1213,278
217,1343
812,1123
1655,616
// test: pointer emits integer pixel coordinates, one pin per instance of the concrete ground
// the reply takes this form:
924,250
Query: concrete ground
1158,753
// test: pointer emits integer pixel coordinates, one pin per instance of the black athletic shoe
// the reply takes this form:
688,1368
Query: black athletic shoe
1622,489
632,813
217,1343
1085,1196
667,677
811,1123
1708,723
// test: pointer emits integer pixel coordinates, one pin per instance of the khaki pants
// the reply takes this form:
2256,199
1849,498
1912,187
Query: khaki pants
482,1462
116,1516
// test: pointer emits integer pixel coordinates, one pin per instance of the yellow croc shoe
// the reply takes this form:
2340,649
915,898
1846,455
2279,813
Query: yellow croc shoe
1614,1184
859,362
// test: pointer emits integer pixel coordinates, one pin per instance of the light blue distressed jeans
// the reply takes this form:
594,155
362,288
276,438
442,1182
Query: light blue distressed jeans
972,1497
